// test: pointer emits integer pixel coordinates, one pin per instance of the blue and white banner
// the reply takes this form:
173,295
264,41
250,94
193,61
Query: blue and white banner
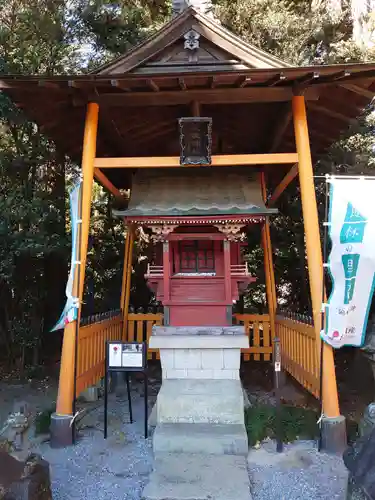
351,263
70,312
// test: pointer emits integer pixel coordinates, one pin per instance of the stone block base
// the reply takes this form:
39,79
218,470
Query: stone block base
334,434
198,477
200,441
200,401
61,431
209,439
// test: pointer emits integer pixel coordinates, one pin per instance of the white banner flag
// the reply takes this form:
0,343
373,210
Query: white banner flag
352,260
70,312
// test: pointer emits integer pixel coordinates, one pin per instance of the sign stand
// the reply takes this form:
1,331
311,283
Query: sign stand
277,368
126,357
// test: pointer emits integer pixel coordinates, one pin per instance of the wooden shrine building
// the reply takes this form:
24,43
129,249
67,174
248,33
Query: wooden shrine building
270,122
197,224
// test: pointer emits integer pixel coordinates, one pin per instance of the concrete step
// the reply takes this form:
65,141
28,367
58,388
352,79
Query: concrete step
200,401
182,476
212,439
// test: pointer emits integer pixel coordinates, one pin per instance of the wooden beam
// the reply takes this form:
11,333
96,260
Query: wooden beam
307,79
182,84
153,86
206,96
195,108
359,90
107,184
281,127
292,174
243,81
120,85
217,161
331,112
213,82
275,80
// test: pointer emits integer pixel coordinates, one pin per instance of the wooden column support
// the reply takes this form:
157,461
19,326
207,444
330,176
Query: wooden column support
286,180
227,274
128,278
268,265
125,271
166,271
314,251
65,397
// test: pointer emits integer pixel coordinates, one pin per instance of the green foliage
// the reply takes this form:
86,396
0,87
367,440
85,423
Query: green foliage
54,37
296,423
43,421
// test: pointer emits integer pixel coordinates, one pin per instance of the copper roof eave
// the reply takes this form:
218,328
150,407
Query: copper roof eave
353,71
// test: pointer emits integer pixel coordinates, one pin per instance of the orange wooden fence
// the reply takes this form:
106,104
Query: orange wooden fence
298,351
140,328
299,354
91,350
258,329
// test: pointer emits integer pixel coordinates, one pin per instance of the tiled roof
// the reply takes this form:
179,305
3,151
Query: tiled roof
205,191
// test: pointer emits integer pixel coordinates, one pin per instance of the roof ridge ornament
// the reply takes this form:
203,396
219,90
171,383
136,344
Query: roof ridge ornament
203,6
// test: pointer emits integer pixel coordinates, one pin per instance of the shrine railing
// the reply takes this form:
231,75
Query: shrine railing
239,269
154,271
299,355
258,329
93,333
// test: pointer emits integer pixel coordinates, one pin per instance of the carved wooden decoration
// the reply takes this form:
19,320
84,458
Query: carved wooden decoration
161,232
191,40
232,231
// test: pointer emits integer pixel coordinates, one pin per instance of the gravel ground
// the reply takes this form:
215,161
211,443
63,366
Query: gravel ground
98,469
118,468
299,473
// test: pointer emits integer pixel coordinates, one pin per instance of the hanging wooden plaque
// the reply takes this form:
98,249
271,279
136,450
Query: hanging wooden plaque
195,140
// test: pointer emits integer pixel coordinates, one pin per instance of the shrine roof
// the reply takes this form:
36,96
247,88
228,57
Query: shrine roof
193,59
210,191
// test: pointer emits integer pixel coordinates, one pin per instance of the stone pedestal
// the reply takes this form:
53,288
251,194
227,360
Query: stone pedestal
199,414
200,353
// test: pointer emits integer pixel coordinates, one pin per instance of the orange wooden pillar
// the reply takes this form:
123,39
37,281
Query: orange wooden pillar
127,277
61,431
268,265
125,270
331,409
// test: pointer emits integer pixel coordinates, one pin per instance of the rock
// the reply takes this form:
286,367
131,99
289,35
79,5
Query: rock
14,434
28,480
360,461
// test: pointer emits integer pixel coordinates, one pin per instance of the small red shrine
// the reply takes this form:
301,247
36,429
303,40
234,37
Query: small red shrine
197,221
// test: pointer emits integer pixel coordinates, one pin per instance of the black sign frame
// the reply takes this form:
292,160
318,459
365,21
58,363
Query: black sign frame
127,371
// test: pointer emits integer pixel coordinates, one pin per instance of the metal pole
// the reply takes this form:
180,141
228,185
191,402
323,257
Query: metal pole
323,314
106,391
146,403
78,259
277,366
129,397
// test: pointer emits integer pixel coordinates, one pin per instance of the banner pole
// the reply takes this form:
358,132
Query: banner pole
78,258
323,312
